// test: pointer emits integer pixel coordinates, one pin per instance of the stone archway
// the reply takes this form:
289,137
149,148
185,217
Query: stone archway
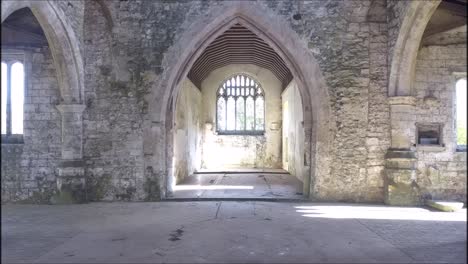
68,62
401,158
179,59
406,48
63,45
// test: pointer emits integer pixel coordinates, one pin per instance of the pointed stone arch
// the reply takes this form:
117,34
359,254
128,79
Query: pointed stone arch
405,52
285,41
64,45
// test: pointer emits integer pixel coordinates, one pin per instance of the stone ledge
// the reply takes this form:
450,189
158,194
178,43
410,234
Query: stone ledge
445,206
430,148
398,154
71,108
402,100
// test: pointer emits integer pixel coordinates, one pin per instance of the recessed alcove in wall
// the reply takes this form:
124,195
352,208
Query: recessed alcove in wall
429,134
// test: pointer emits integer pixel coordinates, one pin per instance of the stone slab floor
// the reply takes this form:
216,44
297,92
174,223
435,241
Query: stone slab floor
239,184
230,232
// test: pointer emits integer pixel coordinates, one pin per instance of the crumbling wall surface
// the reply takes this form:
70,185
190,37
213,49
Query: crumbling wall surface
187,131
242,151
293,131
336,33
29,169
126,63
441,171
112,121
396,11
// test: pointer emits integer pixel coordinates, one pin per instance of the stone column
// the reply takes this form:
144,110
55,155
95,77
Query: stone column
400,185
71,181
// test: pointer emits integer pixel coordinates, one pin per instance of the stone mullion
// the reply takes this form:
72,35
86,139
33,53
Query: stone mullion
8,106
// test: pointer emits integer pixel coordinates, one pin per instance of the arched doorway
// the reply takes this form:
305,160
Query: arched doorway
285,42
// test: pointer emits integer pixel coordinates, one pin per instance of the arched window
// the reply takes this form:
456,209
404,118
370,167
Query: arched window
240,106
12,98
460,91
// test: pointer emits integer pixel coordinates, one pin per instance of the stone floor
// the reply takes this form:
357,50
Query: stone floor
240,184
230,232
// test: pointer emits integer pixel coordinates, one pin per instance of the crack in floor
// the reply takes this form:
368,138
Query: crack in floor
217,211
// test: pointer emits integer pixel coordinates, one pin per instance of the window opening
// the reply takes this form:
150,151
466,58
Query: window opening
460,91
12,101
240,106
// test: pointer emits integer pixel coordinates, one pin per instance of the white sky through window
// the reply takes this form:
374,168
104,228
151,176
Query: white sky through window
461,102
4,96
17,98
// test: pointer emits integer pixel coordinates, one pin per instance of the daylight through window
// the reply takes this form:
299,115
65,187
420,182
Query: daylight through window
240,106
461,113
12,98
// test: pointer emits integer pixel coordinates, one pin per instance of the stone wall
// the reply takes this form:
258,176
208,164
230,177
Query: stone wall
441,171
396,11
29,169
242,151
125,65
112,145
293,131
187,131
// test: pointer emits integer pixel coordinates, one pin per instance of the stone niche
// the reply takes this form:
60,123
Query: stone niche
429,134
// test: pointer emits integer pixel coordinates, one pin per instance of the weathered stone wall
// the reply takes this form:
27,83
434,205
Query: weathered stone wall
187,131
242,151
125,63
29,169
293,131
441,171
396,11
74,12
378,126
337,34
346,45
112,147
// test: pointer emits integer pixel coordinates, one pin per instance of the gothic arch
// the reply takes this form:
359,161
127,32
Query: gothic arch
199,34
63,45
405,52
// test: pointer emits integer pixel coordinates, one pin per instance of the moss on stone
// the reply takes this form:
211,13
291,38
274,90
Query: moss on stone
97,187
152,189
39,197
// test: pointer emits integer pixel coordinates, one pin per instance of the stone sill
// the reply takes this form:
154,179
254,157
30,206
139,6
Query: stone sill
12,139
429,148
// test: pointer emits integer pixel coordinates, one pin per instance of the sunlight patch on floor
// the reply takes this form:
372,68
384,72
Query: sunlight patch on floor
377,212
212,187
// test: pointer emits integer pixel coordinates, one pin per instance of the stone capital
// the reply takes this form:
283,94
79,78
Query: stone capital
402,100
71,108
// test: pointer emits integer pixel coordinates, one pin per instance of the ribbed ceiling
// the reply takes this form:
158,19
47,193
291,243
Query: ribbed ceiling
238,45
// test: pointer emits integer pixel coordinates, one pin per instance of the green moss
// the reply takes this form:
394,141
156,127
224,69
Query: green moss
63,197
42,197
97,187
70,194
151,188
119,86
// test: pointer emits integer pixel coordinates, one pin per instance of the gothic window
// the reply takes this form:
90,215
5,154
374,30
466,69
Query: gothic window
240,106
12,98
460,93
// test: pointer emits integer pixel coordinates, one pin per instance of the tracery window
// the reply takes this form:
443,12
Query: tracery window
240,106
12,99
